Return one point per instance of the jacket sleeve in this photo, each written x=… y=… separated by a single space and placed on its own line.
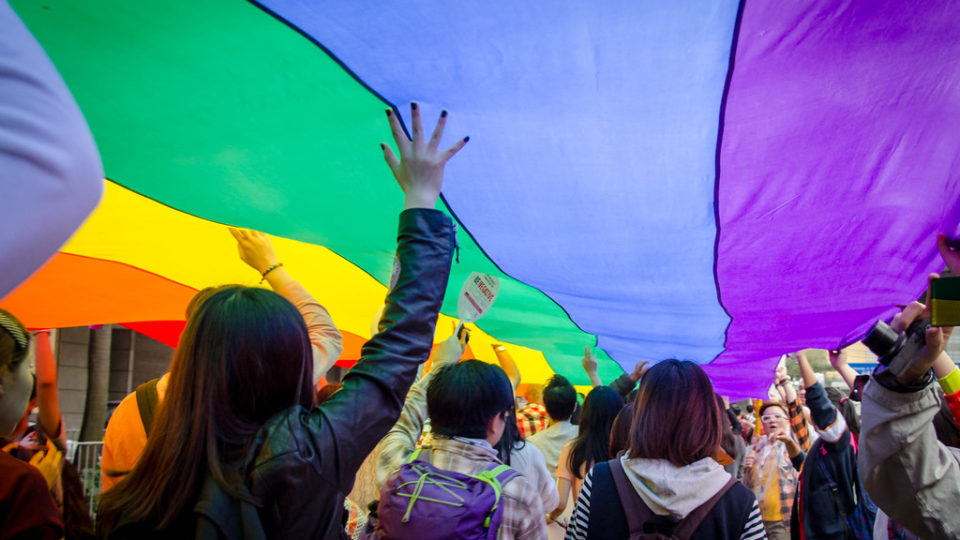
x=623 y=385
x=829 y=423
x=325 y=339
x=909 y=474
x=401 y=441
x=49 y=164
x=347 y=427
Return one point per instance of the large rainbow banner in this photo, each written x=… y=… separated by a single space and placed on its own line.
x=720 y=181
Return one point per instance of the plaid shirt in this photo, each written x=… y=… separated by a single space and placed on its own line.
x=531 y=419
x=523 y=514
x=798 y=422
x=773 y=479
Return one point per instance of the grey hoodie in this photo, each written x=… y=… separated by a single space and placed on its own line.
x=671 y=490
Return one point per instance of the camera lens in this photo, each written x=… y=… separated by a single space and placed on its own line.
x=881 y=339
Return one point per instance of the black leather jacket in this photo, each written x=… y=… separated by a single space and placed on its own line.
x=302 y=463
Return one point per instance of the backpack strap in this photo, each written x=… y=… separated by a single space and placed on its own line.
x=636 y=511
x=147 y=401
x=689 y=524
x=497 y=476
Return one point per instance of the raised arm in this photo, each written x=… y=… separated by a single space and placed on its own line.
x=838 y=359
x=507 y=363
x=625 y=383
x=326 y=342
x=402 y=439
x=49 y=165
x=48 y=399
x=589 y=364
x=830 y=424
x=346 y=427
x=798 y=422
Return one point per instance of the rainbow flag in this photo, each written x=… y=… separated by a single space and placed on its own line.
x=722 y=182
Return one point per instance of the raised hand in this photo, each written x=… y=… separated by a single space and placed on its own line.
x=781 y=375
x=793 y=449
x=590 y=364
x=639 y=370
x=589 y=361
x=936 y=339
x=419 y=170
x=255 y=249
x=838 y=359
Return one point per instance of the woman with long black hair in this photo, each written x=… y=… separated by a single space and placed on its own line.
x=592 y=444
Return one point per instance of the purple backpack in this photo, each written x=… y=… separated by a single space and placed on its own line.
x=420 y=502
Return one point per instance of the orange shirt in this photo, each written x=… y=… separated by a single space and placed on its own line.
x=125 y=438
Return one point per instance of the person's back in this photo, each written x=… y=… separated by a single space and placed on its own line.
x=467 y=404
x=726 y=519
x=668 y=481
x=560 y=400
x=126 y=433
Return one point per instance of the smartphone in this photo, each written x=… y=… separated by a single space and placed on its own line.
x=945 y=301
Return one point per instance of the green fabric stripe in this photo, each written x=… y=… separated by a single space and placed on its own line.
x=219 y=110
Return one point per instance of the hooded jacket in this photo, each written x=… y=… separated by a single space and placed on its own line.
x=669 y=491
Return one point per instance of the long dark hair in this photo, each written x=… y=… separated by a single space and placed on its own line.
x=677 y=418
x=592 y=445
x=243 y=357
x=511 y=439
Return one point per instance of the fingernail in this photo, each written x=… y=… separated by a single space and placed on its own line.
x=389 y=112
x=413 y=105
x=466 y=139
x=443 y=113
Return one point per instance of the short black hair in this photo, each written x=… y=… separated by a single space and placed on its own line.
x=463 y=397
x=560 y=398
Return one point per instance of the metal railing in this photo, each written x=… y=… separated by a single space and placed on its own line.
x=86 y=457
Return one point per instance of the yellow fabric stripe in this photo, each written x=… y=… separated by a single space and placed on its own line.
x=138 y=231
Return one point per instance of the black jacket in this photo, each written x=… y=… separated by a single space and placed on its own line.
x=302 y=463
x=829 y=488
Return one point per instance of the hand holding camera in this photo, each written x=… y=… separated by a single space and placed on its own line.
x=909 y=346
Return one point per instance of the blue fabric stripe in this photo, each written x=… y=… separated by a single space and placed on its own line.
x=590 y=171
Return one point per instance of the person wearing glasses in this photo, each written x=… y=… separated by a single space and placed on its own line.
x=770 y=471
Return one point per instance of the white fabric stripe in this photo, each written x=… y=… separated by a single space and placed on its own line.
x=753 y=529
x=834 y=431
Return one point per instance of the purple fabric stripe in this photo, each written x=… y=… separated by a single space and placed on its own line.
x=49 y=166
x=839 y=164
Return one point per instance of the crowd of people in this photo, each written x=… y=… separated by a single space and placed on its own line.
x=243 y=437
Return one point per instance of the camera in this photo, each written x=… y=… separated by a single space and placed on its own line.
x=896 y=351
